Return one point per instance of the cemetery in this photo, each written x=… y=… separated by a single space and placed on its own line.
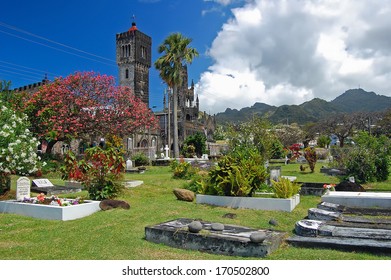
x=165 y=233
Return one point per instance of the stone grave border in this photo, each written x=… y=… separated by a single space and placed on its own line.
x=258 y=203
x=50 y=212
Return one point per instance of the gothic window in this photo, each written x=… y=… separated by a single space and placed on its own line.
x=127 y=74
x=143 y=52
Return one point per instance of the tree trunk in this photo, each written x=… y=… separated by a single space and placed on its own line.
x=175 y=120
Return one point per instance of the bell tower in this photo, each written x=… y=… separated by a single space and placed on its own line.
x=133 y=55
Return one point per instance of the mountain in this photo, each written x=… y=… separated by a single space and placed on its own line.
x=233 y=115
x=352 y=100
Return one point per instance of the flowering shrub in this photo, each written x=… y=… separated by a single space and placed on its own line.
x=18 y=148
x=295 y=150
x=100 y=172
x=53 y=200
x=328 y=187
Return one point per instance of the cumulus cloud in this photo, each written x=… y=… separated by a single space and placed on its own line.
x=288 y=52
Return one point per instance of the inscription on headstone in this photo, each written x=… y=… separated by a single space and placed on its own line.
x=22 y=188
x=42 y=183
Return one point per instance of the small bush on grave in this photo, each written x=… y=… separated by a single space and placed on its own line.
x=238 y=174
x=284 y=188
x=100 y=171
x=182 y=169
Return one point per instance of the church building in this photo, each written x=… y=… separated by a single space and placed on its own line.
x=133 y=56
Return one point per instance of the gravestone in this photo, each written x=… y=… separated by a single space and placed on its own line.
x=166 y=148
x=22 y=188
x=129 y=164
x=275 y=173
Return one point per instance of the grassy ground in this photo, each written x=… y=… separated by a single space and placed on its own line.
x=119 y=234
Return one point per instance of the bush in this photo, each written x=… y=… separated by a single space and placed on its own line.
x=369 y=161
x=284 y=188
x=311 y=157
x=140 y=159
x=194 y=145
x=238 y=174
x=182 y=169
x=100 y=172
x=324 y=141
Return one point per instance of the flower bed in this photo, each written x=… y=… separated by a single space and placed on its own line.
x=52 y=208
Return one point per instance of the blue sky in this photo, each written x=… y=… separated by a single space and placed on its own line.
x=271 y=51
x=31 y=33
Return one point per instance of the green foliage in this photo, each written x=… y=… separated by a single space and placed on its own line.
x=324 y=141
x=237 y=174
x=188 y=151
x=311 y=157
x=277 y=150
x=194 y=145
x=254 y=134
x=369 y=161
x=140 y=159
x=182 y=169
x=284 y=188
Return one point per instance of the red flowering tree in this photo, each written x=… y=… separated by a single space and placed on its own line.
x=86 y=105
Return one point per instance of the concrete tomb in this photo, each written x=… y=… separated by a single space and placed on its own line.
x=215 y=238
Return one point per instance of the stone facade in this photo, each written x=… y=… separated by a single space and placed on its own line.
x=133 y=53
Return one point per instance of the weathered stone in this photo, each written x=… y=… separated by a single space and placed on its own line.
x=108 y=204
x=195 y=226
x=183 y=194
x=273 y=222
x=217 y=226
x=229 y=216
x=257 y=237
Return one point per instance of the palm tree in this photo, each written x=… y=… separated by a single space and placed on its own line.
x=176 y=54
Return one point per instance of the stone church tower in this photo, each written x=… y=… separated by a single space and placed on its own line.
x=133 y=52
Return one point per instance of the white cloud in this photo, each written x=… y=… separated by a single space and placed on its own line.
x=288 y=52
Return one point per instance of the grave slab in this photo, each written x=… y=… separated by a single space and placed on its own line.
x=47 y=187
x=359 y=199
x=133 y=183
x=232 y=240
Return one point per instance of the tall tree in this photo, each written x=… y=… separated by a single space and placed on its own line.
x=85 y=105
x=176 y=54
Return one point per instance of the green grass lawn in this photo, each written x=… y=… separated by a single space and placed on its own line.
x=119 y=234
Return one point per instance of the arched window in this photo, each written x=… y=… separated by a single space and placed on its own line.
x=127 y=74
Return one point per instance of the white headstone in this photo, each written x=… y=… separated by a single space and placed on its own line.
x=129 y=164
x=22 y=188
x=205 y=157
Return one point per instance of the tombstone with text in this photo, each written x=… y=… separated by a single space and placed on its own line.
x=22 y=188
